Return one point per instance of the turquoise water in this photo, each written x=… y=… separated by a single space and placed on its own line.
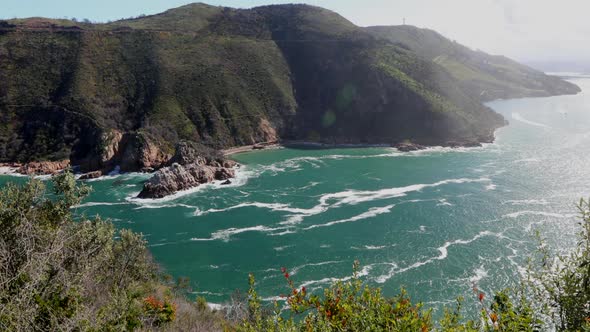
x=435 y=221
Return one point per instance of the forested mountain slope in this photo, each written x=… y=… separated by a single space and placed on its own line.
x=126 y=92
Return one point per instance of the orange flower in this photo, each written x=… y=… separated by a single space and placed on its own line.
x=152 y=302
x=494 y=317
x=481 y=296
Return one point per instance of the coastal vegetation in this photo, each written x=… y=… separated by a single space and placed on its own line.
x=60 y=270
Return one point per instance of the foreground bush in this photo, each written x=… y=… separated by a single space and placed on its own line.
x=61 y=274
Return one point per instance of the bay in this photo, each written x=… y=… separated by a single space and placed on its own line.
x=436 y=222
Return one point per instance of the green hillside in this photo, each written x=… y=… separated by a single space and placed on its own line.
x=126 y=92
x=480 y=74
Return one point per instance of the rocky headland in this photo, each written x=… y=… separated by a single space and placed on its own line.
x=191 y=166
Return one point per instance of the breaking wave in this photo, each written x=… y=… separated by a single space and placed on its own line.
x=325 y=202
x=518 y=117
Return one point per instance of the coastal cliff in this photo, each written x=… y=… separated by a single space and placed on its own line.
x=123 y=94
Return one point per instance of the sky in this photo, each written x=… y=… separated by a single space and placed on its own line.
x=526 y=30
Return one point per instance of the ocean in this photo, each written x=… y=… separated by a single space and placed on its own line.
x=436 y=222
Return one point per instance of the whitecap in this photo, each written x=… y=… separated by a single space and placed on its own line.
x=373 y=247
x=538 y=213
x=310 y=185
x=207 y=293
x=295 y=270
x=363 y=272
x=225 y=234
x=478 y=275
x=326 y=201
x=443 y=254
x=353 y=197
x=159 y=206
x=89 y=204
x=527 y=202
x=443 y=202
x=373 y=212
x=518 y=117
x=281 y=248
x=162 y=244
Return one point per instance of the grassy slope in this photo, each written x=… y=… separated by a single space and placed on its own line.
x=488 y=76
x=211 y=74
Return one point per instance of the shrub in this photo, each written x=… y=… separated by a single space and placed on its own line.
x=59 y=271
x=160 y=311
x=561 y=283
x=344 y=306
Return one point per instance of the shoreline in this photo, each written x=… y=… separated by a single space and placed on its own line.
x=5 y=169
x=319 y=145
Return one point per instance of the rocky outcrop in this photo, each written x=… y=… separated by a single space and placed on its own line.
x=172 y=179
x=43 y=167
x=141 y=154
x=129 y=151
x=192 y=165
x=90 y=175
x=193 y=153
x=408 y=146
x=111 y=142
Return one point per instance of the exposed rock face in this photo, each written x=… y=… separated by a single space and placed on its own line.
x=172 y=179
x=269 y=133
x=111 y=142
x=44 y=167
x=141 y=154
x=191 y=153
x=130 y=151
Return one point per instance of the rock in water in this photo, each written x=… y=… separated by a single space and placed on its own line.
x=91 y=175
x=408 y=146
x=172 y=179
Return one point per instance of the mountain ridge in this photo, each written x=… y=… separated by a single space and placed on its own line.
x=491 y=76
x=127 y=92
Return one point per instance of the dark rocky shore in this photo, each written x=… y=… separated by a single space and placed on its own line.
x=191 y=165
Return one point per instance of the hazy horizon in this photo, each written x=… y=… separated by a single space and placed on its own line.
x=541 y=33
